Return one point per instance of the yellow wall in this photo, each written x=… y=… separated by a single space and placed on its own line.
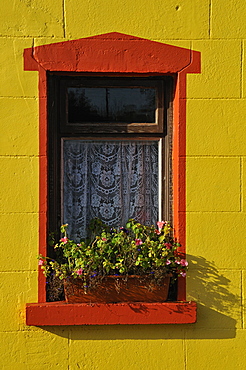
x=216 y=184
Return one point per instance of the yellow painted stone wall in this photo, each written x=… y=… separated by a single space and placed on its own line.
x=216 y=185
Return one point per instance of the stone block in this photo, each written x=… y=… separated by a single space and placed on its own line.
x=217 y=293
x=34 y=350
x=213 y=184
x=32 y=18
x=220 y=75
x=228 y=19
x=219 y=352
x=19 y=190
x=14 y=80
x=134 y=354
x=216 y=127
x=153 y=20
x=20 y=126
x=16 y=288
x=19 y=230
x=216 y=238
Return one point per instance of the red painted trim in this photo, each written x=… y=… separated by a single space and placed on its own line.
x=112 y=52
x=116 y=54
x=43 y=314
x=43 y=179
x=179 y=171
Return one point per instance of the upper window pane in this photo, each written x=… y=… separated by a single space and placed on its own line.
x=111 y=104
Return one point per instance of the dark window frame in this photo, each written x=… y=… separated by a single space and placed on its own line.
x=59 y=128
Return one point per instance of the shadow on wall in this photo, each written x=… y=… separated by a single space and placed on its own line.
x=218 y=312
x=209 y=286
x=219 y=309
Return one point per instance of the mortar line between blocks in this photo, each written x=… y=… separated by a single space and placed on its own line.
x=212 y=156
x=241 y=71
x=241 y=185
x=185 y=352
x=242 y=68
x=242 y=301
x=158 y=39
x=64 y=19
x=68 y=348
x=209 y=18
x=219 y=98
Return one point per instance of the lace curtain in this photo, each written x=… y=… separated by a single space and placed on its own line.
x=111 y=180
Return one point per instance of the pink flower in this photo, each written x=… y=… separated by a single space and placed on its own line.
x=157 y=232
x=64 y=240
x=79 y=245
x=160 y=224
x=40 y=262
x=183 y=262
x=168 y=262
x=183 y=273
x=177 y=261
x=138 y=241
x=79 y=271
x=104 y=239
x=168 y=245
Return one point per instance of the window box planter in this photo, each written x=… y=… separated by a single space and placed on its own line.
x=114 y=289
x=131 y=264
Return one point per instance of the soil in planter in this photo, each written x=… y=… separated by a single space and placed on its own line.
x=54 y=289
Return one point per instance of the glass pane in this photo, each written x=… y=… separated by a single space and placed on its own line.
x=112 y=180
x=111 y=104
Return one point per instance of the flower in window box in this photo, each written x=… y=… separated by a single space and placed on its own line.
x=134 y=250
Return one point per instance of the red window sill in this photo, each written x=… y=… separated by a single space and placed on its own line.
x=62 y=313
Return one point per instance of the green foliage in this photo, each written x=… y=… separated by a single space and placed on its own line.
x=134 y=250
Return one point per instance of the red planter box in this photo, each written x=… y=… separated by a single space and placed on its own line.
x=114 y=289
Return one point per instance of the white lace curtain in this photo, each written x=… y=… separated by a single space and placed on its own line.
x=111 y=180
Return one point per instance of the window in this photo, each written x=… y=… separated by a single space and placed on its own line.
x=75 y=68
x=109 y=150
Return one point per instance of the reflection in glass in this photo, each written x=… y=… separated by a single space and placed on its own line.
x=111 y=104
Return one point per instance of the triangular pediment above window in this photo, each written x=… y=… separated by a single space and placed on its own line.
x=112 y=53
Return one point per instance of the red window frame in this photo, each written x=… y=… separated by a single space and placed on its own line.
x=114 y=54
